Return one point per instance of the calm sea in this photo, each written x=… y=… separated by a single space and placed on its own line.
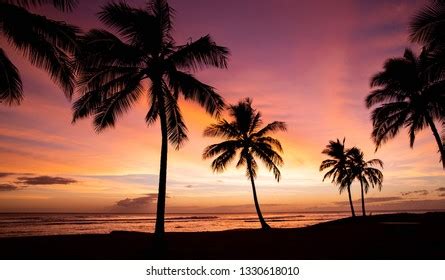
x=52 y=224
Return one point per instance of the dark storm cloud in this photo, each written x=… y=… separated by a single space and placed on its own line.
x=7 y=187
x=419 y=192
x=440 y=190
x=45 y=180
x=189 y=186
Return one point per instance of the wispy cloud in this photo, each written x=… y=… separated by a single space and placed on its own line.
x=45 y=180
x=419 y=192
x=8 y=187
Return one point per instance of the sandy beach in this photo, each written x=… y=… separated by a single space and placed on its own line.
x=392 y=236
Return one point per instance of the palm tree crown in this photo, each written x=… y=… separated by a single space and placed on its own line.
x=338 y=163
x=244 y=136
x=406 y=96
x=46 y=43
x=112 y=70
x=364 y=172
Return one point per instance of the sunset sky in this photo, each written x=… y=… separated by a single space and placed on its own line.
x=307 y=63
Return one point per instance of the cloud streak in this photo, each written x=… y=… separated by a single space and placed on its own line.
x=419 y=192
x=45 y=180
x=7 y=187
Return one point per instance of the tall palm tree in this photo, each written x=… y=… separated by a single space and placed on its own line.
x=364 y=172
x=244 y=135
x=113 y=67
x=406 y=96
x=46 y=44
x=338 y=164
x=428 y=28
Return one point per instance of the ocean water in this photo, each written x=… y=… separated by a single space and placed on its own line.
x=21 y=224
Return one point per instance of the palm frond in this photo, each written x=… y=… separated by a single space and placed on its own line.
x=388 y=120
x=256 y=122
x=270 y=158
x=252 y=172
x=327 y=163
x=428 y=24
x=96 y=87
x=177 y=130
x=135 y=25
x=215 y=149
x=117 y=104
x=375 y=162
x=11 y=90
x=374 y=176
x=153 y=112
x=200 y=54
x=163 y=14
x=222 y=129
x=275 y=143
x=221 y=162
x=45 y=43
x=329 y=174
x=271 y=127
x=194 y=90
x=62 y=5
x=100 y=48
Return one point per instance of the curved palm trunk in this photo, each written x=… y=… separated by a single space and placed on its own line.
x=350 y=201
x=264 y=225
x=160 y=212
x=363 y=198
x=438 y=140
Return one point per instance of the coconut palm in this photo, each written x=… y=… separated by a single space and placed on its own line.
x=406 y=96
x=113 y=68
x=46 y=44
x=428 y=28
x=338 y=164
x=244 y=135
x=364 y=172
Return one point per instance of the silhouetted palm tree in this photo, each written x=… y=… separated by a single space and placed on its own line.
x=364 y=172
x=112 y=69
x=428 y=28
x=245 y=136
x=46 y=44
x=406 y=97
x=338 y=163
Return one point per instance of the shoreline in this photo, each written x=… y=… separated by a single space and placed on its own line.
x=387 y=236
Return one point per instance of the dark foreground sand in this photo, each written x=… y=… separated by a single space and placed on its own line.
x=398 y=236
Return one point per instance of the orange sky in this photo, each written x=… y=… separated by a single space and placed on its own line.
x=307 y=63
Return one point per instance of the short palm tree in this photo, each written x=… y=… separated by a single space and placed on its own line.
x=406 y=96
x=46 y=44
x=245 y=136
x=364 y=172
x=338 y=164
x=113 y=67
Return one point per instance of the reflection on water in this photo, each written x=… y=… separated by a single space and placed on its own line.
x=51 y=224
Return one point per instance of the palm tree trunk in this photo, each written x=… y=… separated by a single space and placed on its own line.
x=438 y=139
x=363 y=198
x=160 y=212
x=350 y=201
x=264 y=225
